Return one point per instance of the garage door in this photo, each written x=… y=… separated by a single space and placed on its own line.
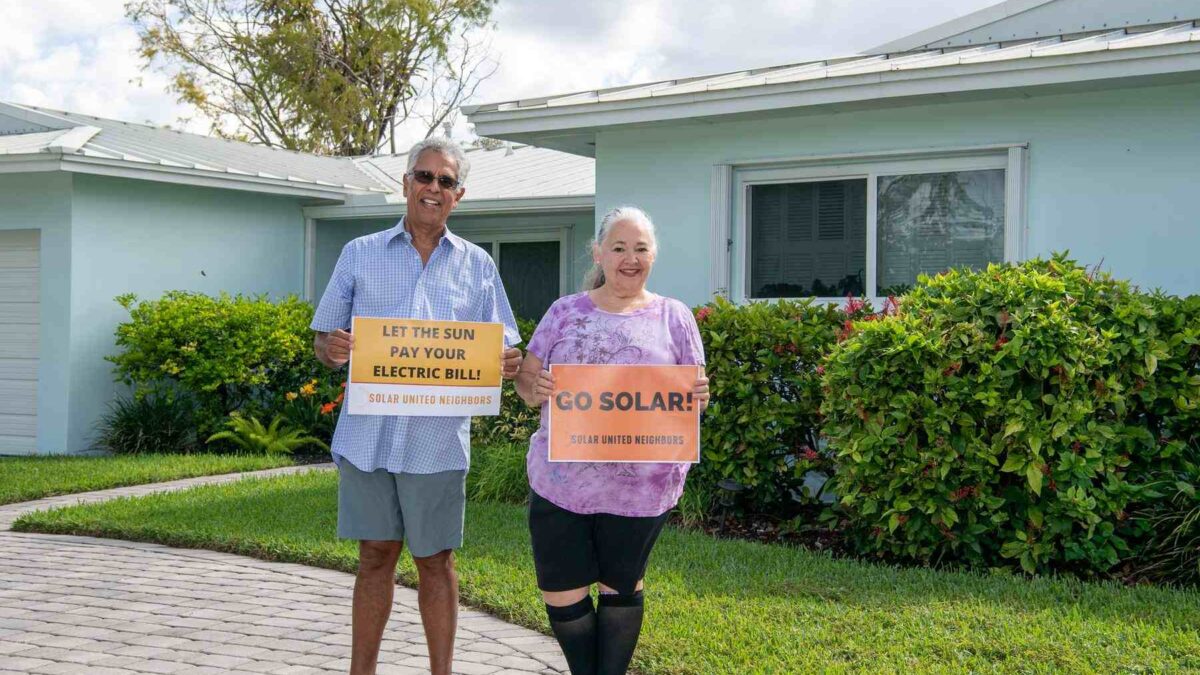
x=18 y=340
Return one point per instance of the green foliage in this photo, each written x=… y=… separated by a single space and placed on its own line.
x=1171 y=552
x=516 y=421
x=311 y=404
x=1010 y=417
x=761 y=431
x=498 y=473
x=325 y=77
x=148 y=424
x=223 y=352
x=250 y=436
x=697 y=503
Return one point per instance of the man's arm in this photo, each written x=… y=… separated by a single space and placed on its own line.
x=333 y=348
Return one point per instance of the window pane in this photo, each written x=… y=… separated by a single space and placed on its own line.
x=529 y=271
x=929 y=223
x=808 y=239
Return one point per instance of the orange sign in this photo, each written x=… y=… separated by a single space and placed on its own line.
x=624 y=414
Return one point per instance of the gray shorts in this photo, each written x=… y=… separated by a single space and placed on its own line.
x=426 y=510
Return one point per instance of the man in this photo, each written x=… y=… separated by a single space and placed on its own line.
x=403 y=478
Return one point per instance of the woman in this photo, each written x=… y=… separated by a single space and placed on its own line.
x=595 y=523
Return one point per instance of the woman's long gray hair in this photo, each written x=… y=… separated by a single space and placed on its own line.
x=595 y=276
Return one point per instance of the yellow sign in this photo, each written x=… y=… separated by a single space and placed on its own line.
x=427 y=368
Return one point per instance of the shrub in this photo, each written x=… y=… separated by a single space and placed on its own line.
x=1002 y=418
x=516 y=421
x=761 y=431
x=249 y=435
x=149 y=424
x=498 y=473
x=225 y=352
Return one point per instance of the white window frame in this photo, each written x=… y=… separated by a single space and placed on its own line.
x=732 y=181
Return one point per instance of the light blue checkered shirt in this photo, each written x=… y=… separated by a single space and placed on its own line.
x=381 y=275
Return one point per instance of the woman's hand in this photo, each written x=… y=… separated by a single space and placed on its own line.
x=534 y=384
x=543 y=388
x=700 y=391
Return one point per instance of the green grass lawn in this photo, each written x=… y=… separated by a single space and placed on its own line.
x=26 y=478
x=717 y=606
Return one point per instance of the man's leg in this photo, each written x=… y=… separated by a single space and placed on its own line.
x=373 y=588
x=437 y=596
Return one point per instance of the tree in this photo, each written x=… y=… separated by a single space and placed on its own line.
x=326 y=76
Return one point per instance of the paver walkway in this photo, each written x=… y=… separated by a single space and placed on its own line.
x=101 y=606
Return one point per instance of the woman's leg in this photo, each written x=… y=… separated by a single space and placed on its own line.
x=564 y=558
x=618 y=625
x=623 y=547
x=573 y=621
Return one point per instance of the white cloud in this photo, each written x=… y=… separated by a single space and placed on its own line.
x=80 y=55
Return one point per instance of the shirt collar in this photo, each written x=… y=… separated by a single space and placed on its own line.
x=448 y=237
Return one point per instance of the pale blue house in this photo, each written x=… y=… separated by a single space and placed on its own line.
x=1029 y=127
x=93 y=208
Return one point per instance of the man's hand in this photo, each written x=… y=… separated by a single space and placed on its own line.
x=333 y=349
x=510 y=362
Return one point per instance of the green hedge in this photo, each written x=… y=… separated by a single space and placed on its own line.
x=761 y=431
x=517 y=421
x=1013 y=416
x=223 y=354
x=1038 y=416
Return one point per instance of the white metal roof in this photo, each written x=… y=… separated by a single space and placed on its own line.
x=567 y=121
x=1029 y=50
x=141 y=144
x=24 y=144
x=506 y=173
x=516 y=172
x=1029 y=19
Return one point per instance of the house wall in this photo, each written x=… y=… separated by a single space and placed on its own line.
x=140 y=237
x=42 y=201
x=332 y=235
x=1112 y=174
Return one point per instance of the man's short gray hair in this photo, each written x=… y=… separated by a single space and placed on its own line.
x=445 y=146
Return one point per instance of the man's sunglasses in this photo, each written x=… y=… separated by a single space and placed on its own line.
x=426 y=177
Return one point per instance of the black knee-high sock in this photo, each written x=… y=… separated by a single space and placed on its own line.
x=620 y=622
x=575 y=628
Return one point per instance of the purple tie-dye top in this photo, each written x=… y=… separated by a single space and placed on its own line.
x=575 y=330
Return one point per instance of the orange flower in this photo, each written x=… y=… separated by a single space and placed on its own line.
x=327 y=408
x=340 y=397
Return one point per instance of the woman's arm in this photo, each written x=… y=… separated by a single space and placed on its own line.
x=534 y=385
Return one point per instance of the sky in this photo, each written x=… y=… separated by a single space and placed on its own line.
x=80 y=55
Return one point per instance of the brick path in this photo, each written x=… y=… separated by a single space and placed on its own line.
x=100 y=606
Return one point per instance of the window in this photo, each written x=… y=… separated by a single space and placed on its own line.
x=930 y=222
x=524 y=268
x=808 y=239
x=868 y=226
